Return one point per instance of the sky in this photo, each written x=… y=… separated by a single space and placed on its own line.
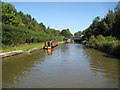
x=76 y=16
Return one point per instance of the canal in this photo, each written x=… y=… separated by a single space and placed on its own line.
x=67 y=66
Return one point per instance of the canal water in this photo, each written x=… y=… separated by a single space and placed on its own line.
x=67 y=66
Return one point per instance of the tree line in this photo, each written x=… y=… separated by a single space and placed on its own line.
x=107 y=26
x=104 y=33
x=19 y=28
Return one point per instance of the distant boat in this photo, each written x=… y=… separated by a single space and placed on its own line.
x=50 y=44
x=68 y=41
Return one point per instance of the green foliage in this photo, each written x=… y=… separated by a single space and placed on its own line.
x=109 y=25
x=85 y=42
x=24 y=47
x=100 y=41
x=66 y=33
x=106 y=31
x=92 y=41
x=78 y=34
x=107 y=44
x=10 y=15
x=19 y=28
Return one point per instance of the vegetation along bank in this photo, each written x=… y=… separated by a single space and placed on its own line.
x=104 y=33
x=22 y=32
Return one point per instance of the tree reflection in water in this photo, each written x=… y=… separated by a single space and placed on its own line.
x=100 y=63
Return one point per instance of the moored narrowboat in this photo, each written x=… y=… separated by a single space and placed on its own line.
x=68 y=40
x=50 y=44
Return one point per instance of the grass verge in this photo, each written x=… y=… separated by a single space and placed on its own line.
x=24 y=47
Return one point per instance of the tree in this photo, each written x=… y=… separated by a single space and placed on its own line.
x=116 y=26
x=78 y=34
x=109 y=25
x=10 y=15
x=19 y=28
x=66 y=33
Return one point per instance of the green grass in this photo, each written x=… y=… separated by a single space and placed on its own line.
x=24 y=47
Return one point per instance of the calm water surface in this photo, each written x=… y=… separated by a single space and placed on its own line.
x=67 y=66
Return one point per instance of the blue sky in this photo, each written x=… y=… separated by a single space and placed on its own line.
x=76 y=16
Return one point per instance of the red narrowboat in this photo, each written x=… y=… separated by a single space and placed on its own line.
x=50 y=44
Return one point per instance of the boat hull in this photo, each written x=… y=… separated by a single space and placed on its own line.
x=50 y=46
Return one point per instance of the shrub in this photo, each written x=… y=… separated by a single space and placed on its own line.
x=92 y=41
x=100 y=41
x=115 y=48
x=107 y=44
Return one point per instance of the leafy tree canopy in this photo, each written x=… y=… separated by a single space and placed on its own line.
x=66 y=33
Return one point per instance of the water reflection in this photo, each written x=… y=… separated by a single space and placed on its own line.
x=64 y=47
x=15 y=68
x=99 y=63
x=66 y=66
x=50 y=52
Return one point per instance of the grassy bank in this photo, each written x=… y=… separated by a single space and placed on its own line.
x=108 y=44
x=24 y=47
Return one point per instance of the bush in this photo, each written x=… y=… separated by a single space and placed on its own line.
x=92 y=41
x=110 y=38
x=15 y=35
x=115 y=48
x=106 y=47
x=100 y=41
x=107 y=44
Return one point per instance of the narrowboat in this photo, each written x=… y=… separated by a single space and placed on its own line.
x=50 y=44
x=68 y=41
